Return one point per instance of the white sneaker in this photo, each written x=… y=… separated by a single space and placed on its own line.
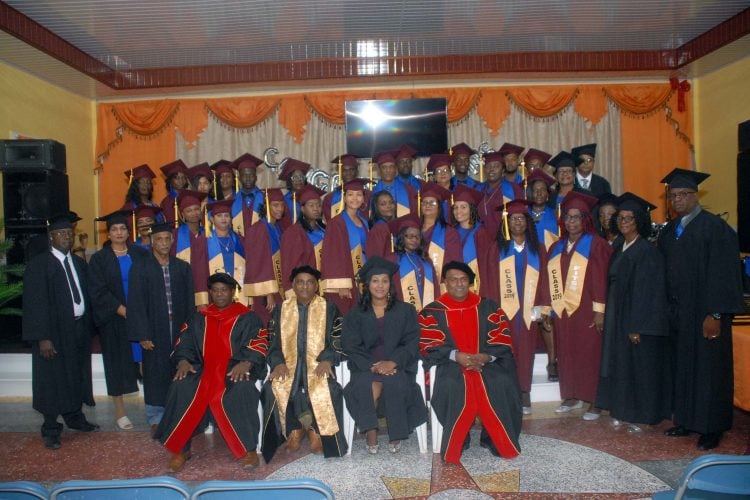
x=591 y=416
x=209 y=429
x=634 y=428
x=616 y=423
x=527 y=410
x=563 y=408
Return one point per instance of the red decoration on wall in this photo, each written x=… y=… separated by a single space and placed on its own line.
x=682 y=87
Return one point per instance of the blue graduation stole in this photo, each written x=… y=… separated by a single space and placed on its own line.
x=469 y=249
x=221 y=259
x=411 y=180
x=417 y=280
x=547 y=229
x=357 y=237
x=469 y=182
x=292 y=207
x=506 y=188
x=436 y=248
x=182 y=242
x=399 y=193
x=567 y=296
x=252 y=200
x=519 y=280
x=316 y=238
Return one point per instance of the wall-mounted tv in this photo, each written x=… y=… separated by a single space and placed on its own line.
x=373 y=126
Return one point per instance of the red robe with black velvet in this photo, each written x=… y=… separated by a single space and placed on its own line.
x=213 y=341
x=474 y=325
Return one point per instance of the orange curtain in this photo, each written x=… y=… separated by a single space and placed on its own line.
x=493 y=108
x=591 y=103
x=330 y=105
x=145 y=117
x=191 y=120
x=294 y=115
x=543 y=102
x=639 y=99
x=460 y=101
x=242 y=112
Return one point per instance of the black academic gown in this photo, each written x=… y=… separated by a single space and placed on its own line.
x=59 y=385
x=107 y=294
x=213 y=346
x=148 y=319
x=635 y=383
x=703 y=277
x=333 y=446
x=473 y=326
x=401 y=401
x=598 y=185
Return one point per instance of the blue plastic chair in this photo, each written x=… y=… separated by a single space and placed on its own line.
x=23 y=490
x=160 y=488
x=297 y=489
x=713 y=477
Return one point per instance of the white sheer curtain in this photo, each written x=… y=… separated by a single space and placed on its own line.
x=322 y=141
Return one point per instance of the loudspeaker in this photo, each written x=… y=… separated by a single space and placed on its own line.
x=30 y=198
x=743 y=200
x=28 y=242
x=27 y=155
x=743 y=133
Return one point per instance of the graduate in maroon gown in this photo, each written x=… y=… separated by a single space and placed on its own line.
x=348 y=166
x=468 y=338
x=379 y=239
x=496 y=190
x=403 y=193
x=220 y=354
x=190 y=242
x=248 y=199
x=263 y=278
x=140 y=188
x=577 y=272
x=344 y=249
x=302 y=243
x=475 y=239
x=441 y=240
x=225 y=183
x=294 y=174
x=517 y=270
x=417 y=283
x=176 y=174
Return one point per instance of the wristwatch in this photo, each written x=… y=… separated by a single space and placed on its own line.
x=715 y=315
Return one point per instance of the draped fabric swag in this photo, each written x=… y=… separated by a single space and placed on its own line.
x=640 y=133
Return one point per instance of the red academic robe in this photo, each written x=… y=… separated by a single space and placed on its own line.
x=505 y=291
x=578 y=343
x=338 y=264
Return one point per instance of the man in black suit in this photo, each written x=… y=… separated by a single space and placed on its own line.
x=585 y=157
x=57 y=321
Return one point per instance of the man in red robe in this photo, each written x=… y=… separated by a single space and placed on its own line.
x=220 y=354
x=468 y=338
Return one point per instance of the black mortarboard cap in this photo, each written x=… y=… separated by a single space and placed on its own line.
x=162 y=227
x=683 y=178
x=460 y=266
x=60 y=221
x=116 y=217
x=222 y=278
x=376 y=265
x=630 y=201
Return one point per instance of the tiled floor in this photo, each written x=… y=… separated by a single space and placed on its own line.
x=561 y=457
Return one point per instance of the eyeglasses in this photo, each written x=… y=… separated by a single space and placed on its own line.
x=571 y=218
x=680 y=194
x=297 y=177
x=517 y=218
x=625 y=218
x=588 y=160
x=429 y=203
x=442 y=171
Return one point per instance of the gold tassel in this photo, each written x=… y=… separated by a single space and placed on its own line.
x=506 y=230
x=130 y=179
x=206 y=222
x=481 y=168
x=176 y=214
x=268 y=208
x=215 y=195
x=236 y=183
x=450 y=151
x=523 y=176
x=419 y=203
x=294 y=207
x=135 y=230
x=341 y=181
x=393 y=246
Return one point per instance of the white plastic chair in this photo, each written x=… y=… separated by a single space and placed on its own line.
x=437 y=427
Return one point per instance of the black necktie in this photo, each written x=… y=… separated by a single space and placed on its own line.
x=71 y=281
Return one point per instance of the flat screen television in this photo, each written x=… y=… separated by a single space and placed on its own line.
x=381 y=125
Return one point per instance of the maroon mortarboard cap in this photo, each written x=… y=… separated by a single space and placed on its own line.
x=467 y=194
x=247 y=161
x=141 y=172
x=586 y=149
x=355 y=185
x=563 y=159
x=432 y=190
x=188 y=198
x=683 y=178
x=309 y=192
x=516 y=206
x=462 y=149
x=438 y=160
x=274 y=194
x=199 y=170
x=536 y=154
x=583 y=202
x=347 y=160
x=508 y=149
x=173 y=167
x=405 y=151
x=398 y=225
x=221 y=166
x=60 y=221
x=117 y=217
x=290 y=166
x=607 y=199
x=147 y=211
x=221 y=207
x=632 y=202
x=539 y=175
x=384 y=157
x=492 y=157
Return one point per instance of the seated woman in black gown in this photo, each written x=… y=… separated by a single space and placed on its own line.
x=381 y=339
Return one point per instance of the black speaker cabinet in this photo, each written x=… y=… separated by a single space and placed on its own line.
x=30 y=198
x=743 y=200
x=32 y=155
x=744 y=136
x=28 y=242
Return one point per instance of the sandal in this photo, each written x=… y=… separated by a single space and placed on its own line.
x=124 y=423
x=552 y=374
x=395 y=447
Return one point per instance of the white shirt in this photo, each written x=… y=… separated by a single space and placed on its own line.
x=587 y=180
x=78 y=309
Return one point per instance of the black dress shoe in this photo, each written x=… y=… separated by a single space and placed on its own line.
x=709 y=441
x=85 y=426
x=676 y=431
x=490 y=447
x=52 y=442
